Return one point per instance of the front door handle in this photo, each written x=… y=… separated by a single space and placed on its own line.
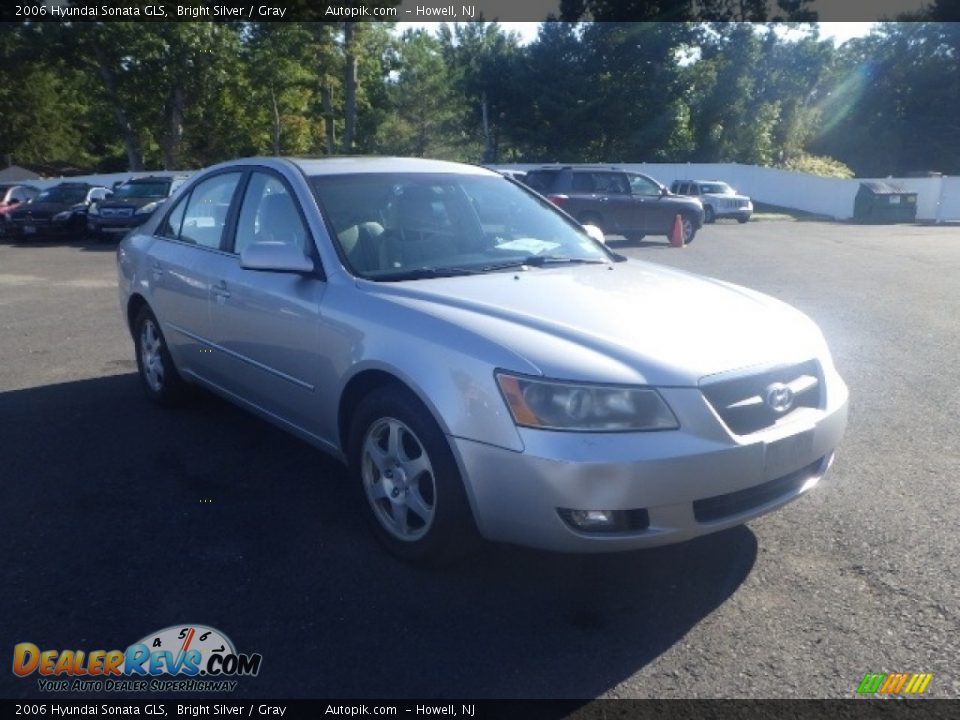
x=220 y=290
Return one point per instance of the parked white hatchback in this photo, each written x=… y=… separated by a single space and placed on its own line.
x=480 y=362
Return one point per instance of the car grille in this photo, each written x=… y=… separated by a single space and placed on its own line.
x=719 y=507
x=116 y=212
x=732 y=204
x=741 y=401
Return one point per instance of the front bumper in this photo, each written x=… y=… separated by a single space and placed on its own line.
x=740 y=211
x=117 y=226
x=690 y=482
x=41 y=228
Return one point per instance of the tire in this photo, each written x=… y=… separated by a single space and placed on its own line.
x=708 y=215
x=159 y=377
x=689 y=229
x=741 y=219
x=78 y=229
x=408 y=480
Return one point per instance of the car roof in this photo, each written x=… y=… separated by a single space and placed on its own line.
x=152 y=178
x=371 y=164
x=592 y=168
x=73 y=184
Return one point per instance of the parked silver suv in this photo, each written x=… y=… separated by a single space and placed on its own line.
x=719 y=199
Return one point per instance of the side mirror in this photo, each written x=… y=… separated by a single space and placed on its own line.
x=596 y=233
x=663 y=191
x=275 y=257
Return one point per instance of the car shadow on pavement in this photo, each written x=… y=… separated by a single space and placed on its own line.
x=124 y=518
x=84 y=245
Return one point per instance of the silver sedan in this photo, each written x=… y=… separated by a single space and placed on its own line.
x=484 y=365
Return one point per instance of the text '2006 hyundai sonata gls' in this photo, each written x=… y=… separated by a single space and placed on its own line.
x=480 y=362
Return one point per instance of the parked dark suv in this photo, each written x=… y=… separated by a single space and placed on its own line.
x=57 y=211
x=130 y=205
x=617 y=201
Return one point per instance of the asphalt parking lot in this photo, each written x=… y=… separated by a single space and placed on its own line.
x=120 y=518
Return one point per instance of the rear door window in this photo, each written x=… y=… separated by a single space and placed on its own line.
x=611 y=183
x=583 y=182
x=541 y=180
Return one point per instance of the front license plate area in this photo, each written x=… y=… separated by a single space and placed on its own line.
x=788 y=454
x=29 y=229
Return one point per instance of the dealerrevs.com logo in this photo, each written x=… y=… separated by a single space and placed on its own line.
x=197 y=657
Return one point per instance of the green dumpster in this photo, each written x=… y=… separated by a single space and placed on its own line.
x=883 y=202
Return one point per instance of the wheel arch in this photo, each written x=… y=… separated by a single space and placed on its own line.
x=135 y=304
x=368 y=381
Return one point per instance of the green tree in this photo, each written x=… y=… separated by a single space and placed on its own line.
x=485 y=59
x=427 y=115
x=894 y=106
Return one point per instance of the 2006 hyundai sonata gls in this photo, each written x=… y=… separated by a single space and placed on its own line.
x=476 y=358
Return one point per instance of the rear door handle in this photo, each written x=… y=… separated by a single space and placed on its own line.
x=156 y=270
x=220 y=290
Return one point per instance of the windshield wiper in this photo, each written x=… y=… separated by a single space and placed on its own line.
x=424 y=273
x=541 y=260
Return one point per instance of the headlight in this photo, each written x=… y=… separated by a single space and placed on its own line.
x=63 y=216
x=553 y=405
x=147 y=209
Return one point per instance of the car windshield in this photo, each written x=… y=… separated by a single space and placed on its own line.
x=158 y=189
x=67 y=195
x=417 y=225
x=717 y=188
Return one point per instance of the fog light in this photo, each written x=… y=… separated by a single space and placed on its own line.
x=606 y=521
x=589 y=519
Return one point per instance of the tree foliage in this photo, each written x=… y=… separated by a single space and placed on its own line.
x=115 y=95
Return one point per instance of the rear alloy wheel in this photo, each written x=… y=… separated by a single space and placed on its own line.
x=416 y=502
x=160 y=379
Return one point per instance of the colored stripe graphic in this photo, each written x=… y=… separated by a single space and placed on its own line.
x=894 y=683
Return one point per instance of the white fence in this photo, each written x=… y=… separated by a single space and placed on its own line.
x=938 y=198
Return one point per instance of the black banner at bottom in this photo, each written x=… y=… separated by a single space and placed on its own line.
x=854 y=709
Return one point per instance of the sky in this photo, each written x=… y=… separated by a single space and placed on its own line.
x=840 y=32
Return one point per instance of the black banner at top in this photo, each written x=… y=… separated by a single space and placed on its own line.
x=476 y=10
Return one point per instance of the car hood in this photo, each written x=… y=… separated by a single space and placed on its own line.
x=726 y=196
x=630 y=322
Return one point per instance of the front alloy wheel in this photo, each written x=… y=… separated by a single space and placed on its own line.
x=414 y=495
x=398 y=480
